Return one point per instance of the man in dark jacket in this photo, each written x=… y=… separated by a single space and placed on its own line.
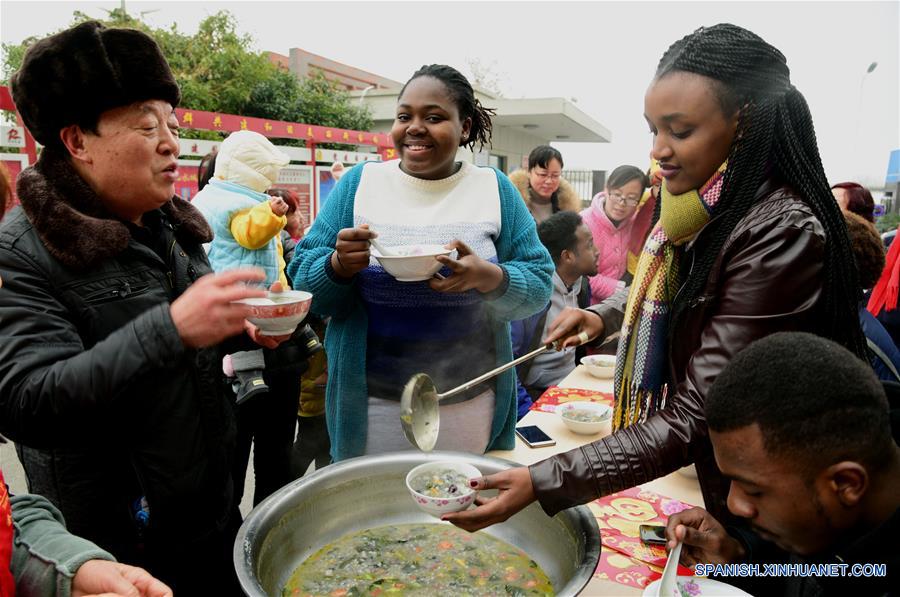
x=802 y=430
x=575 y=257
x=109 y=317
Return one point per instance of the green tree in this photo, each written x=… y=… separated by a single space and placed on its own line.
x=218 y=70
x=887 y=222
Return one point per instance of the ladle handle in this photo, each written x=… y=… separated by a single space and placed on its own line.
x=494 y=372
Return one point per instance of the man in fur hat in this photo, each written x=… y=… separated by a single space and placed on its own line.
x=110 y=317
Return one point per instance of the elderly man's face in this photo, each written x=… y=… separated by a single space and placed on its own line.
x=133 y=158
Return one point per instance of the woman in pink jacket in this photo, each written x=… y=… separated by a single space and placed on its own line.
x=610 y=219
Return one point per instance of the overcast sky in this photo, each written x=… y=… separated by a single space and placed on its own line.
x=602 y=54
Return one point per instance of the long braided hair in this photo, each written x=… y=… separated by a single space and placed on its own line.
x=466 y=103
x=775 y=138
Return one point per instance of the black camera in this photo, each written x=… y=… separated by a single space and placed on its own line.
x=281 y=366
x=293 y=355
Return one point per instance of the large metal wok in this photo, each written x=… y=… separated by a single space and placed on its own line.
x=367 y=492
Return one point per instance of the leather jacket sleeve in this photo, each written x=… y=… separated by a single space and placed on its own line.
x=51 y=385
x=769 y=280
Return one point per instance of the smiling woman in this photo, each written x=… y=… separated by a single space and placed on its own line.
x=613 y=221
x=386 y=330
x=543 y=187
x=749 y=242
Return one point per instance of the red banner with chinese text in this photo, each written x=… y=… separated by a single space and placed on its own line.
x=188 y=179
x=212 y=121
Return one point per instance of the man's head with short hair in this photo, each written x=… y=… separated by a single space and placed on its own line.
x=570 y=244
x=802 y=428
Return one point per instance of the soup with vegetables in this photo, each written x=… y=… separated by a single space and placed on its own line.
x=583 y=415
x=445 y=483
x=418 y=559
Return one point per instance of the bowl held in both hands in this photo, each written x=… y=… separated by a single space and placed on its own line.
x=412 y=263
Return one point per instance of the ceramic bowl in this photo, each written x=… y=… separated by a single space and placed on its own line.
x=585 y=427
x=602 y=366
x=279 y=313
x=695 y=586
x=436 y=506
x=411 y=263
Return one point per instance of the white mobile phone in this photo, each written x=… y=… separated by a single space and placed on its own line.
x=534 y=437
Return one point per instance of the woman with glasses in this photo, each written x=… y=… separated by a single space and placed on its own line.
x=611 y=221
x=542 y=186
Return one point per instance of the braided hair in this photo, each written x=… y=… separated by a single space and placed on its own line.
x=775 y=138
x=466 y=103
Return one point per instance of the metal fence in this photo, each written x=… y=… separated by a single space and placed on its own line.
x=586 y=183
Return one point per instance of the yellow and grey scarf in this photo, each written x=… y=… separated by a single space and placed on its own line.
x=640 y=379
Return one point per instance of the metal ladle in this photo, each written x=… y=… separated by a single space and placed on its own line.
x=419 y=411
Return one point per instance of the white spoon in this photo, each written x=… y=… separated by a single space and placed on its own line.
x=667 y=583
x=384 y=252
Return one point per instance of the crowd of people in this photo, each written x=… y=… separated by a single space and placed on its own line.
x=749 y=303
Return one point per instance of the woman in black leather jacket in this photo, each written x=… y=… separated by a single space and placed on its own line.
x=750 y=242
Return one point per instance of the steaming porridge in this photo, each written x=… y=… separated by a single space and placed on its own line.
x=420 y=560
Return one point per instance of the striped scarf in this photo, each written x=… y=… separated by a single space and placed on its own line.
x=641 y=361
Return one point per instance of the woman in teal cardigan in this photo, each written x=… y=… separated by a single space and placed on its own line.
x=381 y=330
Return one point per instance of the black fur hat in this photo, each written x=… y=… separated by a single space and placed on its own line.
x=76 y=75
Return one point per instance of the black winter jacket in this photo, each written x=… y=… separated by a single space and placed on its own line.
x=96 y=387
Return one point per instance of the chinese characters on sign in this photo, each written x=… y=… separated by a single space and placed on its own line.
x=197 y=119
x=12 y=136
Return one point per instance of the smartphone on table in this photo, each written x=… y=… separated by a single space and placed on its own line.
x=534 y=436
x=653 y=534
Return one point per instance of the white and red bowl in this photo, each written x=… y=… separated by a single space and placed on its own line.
x=279 y=313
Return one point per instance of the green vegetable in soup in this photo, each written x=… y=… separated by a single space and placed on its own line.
x=444 y=483
x=583 y=415
x=418 y=560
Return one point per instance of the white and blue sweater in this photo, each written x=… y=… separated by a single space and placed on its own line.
x=382 y=331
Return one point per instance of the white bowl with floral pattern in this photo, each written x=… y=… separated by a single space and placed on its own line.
x=437 y=503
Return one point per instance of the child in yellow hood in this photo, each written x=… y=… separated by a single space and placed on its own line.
x=246 y=224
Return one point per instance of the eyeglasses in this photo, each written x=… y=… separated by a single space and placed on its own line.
x=630 y=200
x=545 y=175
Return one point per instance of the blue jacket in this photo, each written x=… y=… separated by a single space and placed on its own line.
x=219 y=201
x=876 y=333
x=520 y=254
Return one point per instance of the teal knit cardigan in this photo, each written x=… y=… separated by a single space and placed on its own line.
x=520 y=253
